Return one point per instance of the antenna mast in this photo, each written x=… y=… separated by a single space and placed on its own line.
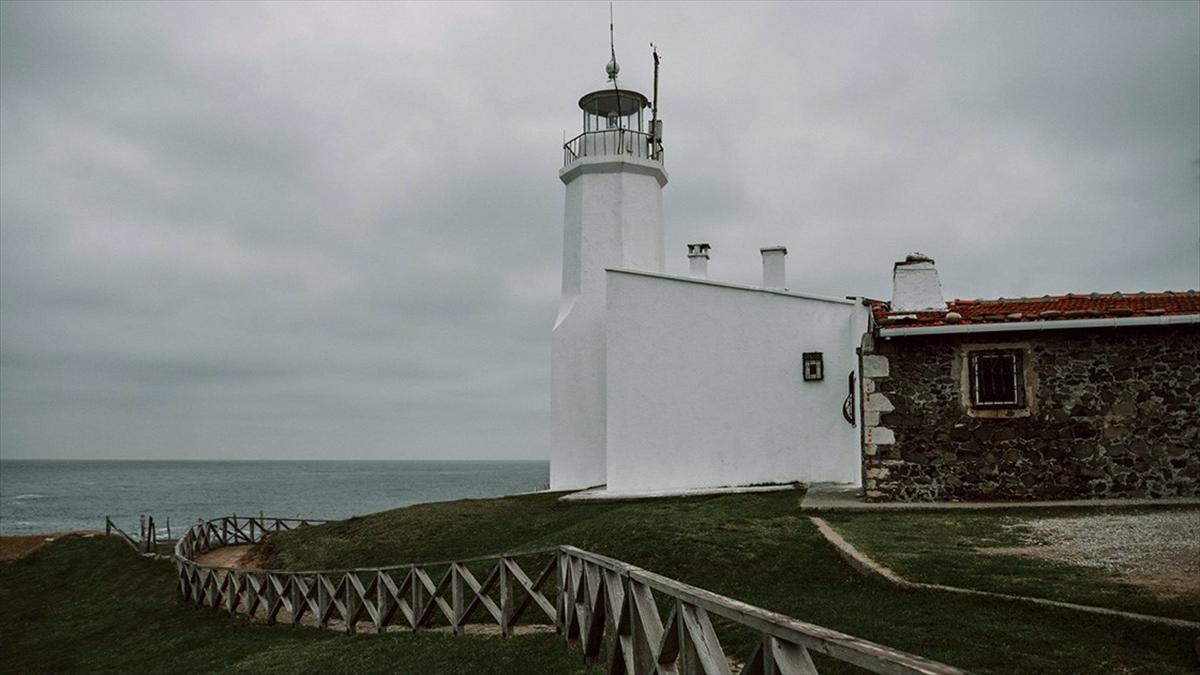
x=612 y=48
x=654 y=135
x=613 y=68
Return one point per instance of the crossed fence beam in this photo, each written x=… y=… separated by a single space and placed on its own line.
x=614 y=610
x=411 y=596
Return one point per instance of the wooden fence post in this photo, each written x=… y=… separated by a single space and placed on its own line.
x=456 y=598
x=353 y=606
x=417 y=603
x=322 y=603
x=560 y=559
x=505 y=597
x=383 y=600
x=297 y=599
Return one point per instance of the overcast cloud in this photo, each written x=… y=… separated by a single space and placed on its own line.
x=334 y=230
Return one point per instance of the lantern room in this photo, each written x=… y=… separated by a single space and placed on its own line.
x=616 y=122
x=613 y=109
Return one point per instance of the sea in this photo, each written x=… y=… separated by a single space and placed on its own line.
x=41 y=496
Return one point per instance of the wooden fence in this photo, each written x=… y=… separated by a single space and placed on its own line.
x=111 y=529
x=147 y=541
x=612 y=609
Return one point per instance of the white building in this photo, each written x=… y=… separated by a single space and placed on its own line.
x=662 y=382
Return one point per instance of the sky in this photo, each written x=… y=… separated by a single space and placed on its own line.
x=333 y=231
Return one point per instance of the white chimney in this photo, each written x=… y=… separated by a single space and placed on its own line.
x=915 y=285
x=774 y=277
x=698 y=260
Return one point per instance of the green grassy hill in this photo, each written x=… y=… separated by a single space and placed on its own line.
x=758 y=548
x=95 y=606
x=92 y=605
x=965 y=549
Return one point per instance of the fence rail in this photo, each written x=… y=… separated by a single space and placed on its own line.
x=110 y=529
x=608 y=142
x=614 y=610
x=147 y=542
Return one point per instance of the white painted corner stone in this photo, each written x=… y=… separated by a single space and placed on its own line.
x=880 y=436
x=874 y=365
x=876 y=402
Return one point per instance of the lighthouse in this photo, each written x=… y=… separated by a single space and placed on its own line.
x=613 y=173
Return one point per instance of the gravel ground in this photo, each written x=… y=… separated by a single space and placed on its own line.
x=1165 y=543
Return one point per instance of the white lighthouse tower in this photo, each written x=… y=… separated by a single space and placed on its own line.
x=614 y=176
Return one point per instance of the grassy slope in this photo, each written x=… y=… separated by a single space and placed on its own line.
x=92 y=605
x=760 y=549
x=943 y=548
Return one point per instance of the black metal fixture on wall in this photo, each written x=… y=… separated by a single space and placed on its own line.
x=848 y=404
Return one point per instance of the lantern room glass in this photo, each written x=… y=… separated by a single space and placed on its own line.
x=631 y=120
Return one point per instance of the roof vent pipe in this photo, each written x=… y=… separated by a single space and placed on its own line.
x=774 y=276
x=698 y=260
x=915 y=285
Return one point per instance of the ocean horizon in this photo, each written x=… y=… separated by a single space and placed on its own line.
x=49 y=495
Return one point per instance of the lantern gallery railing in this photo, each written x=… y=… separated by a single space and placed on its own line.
x=615 y=611
x=612 y=142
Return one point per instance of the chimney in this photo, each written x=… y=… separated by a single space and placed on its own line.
x=915 y=285
x=774 y=277
x=698 y=260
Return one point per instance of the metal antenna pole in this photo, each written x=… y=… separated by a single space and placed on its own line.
x=615 y=68
x=611 y=44
x=654 y=139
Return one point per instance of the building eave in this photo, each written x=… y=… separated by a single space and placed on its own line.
x=614 y=164
x=1065 y=324
x=739 y=287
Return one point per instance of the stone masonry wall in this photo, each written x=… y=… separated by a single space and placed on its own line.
x=1115 y=413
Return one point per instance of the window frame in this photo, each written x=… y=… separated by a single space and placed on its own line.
x=1016 y=358
x=961 y=370
x=816 y=359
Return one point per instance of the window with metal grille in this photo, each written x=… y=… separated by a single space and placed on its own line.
x=997 y=379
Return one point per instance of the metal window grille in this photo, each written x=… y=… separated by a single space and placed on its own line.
x=997 y=379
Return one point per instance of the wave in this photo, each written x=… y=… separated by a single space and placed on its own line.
x=32 y=495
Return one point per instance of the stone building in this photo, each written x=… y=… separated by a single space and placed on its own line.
x=1057 y=397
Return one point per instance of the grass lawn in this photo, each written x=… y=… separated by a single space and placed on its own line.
x=760 y=549
x=93 y=605
x=945 y=548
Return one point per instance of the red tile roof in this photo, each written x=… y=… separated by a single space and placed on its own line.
x=1046 y=308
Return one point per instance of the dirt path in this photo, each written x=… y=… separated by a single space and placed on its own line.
x=15 y=547
x=228 y=556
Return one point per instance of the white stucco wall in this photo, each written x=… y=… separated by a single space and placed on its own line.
x=704 y=385
x=612 y=218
